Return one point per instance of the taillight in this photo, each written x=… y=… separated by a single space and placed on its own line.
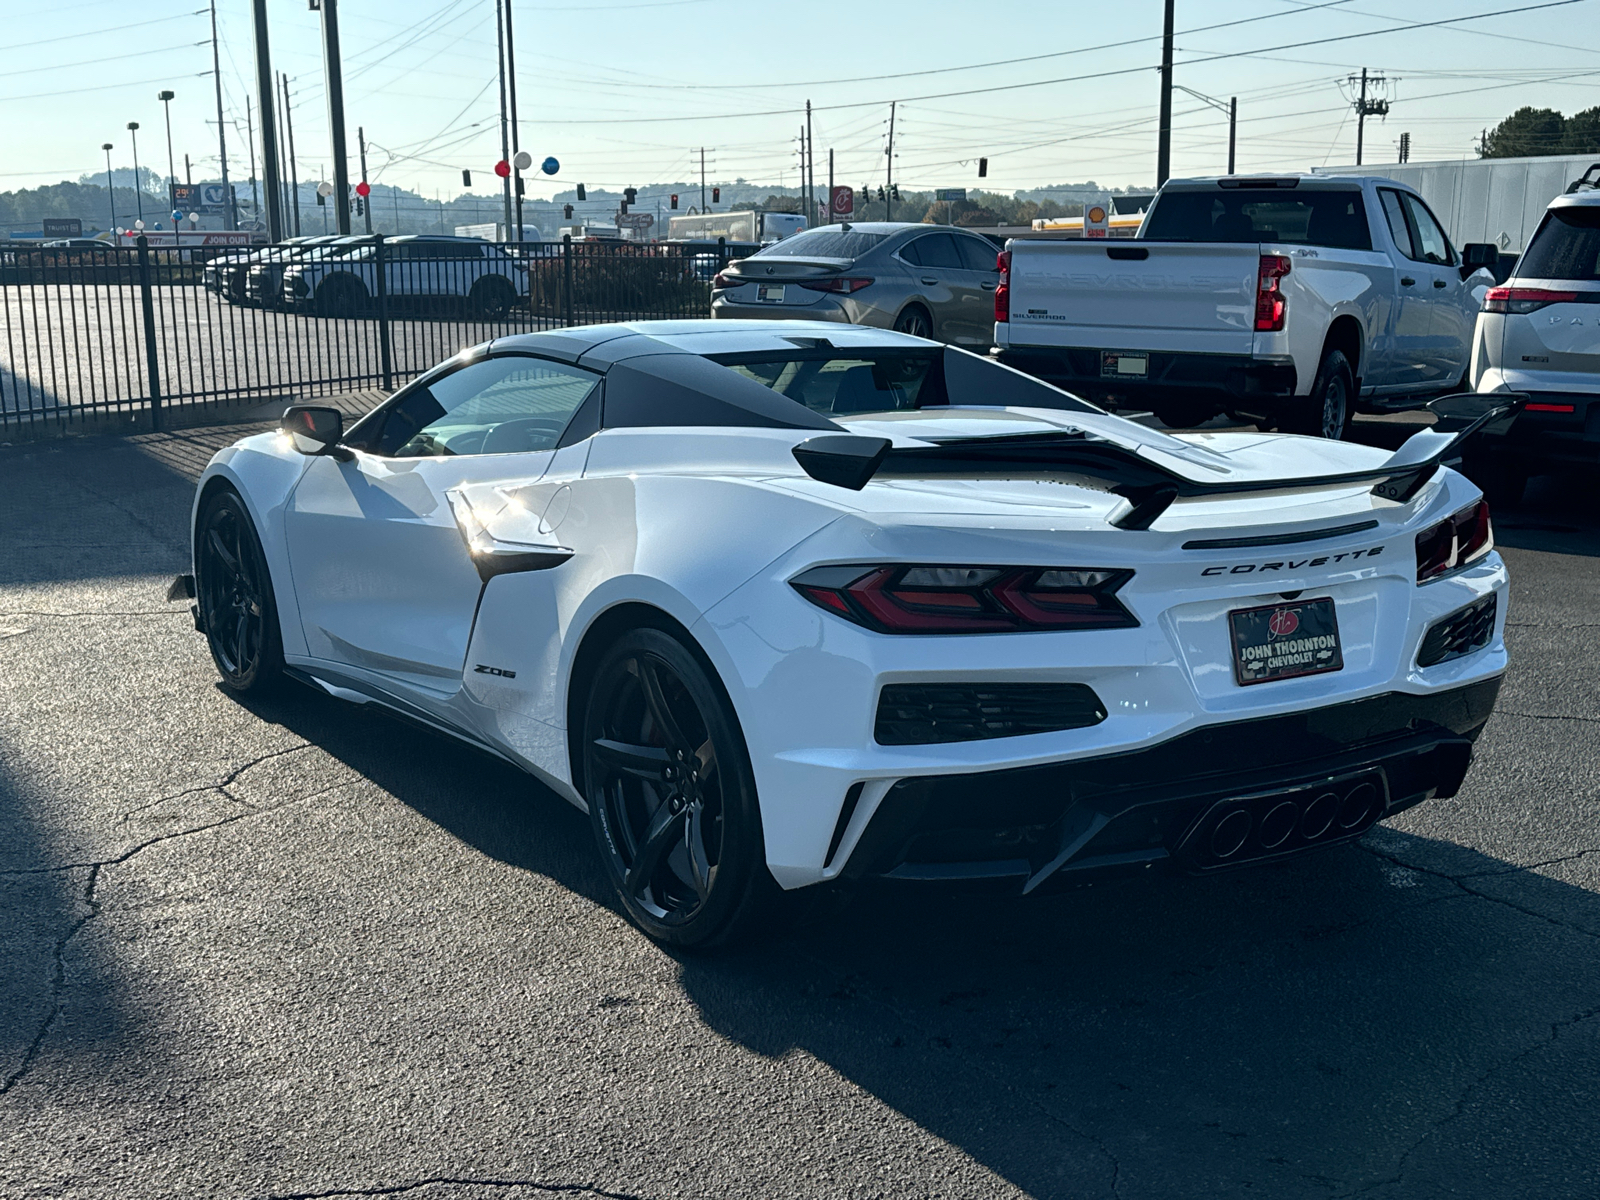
x=1523 y=300
x=1550 y=408
x=921 y=599
x=1457 y=541
x=1002 y=291
x=722 y=280
x=1270 y=300
x=837 y=284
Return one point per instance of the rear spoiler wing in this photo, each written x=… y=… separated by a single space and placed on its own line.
x=848 y=461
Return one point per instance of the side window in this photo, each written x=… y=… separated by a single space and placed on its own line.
x=911 y=252
x=977 y=254
x=1395 y=214
x=1432 y=244
x=939 y=250
x=506 y=405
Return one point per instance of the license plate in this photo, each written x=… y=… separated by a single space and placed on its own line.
x=1114 y=365
x=772 y=293
x=1284 y=641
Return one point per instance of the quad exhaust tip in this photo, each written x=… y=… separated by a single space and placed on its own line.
x=1246 y=830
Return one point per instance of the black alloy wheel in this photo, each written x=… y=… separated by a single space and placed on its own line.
x=234 y=588
x=671 y=795
x=915 y=321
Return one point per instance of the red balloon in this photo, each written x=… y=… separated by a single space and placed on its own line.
x=362 y=189
x=502 y=168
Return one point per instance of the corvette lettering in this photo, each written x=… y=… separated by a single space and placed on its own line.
x=1292 y=564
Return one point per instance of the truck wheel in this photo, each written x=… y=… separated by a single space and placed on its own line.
x=491 y=298
x=1326 y=411
x=1183 y=413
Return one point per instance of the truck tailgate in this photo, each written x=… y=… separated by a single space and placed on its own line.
x=1183 y=297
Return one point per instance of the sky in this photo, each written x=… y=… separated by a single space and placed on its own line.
x=627 y=91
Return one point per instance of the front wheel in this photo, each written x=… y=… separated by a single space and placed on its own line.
x=491 y=299
x=1326 y=412
x=672 y=797
x=237 y=610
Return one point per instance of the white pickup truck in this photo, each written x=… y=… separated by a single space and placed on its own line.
x=1291 y=300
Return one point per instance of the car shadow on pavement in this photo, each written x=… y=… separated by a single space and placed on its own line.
x=1363 y=1017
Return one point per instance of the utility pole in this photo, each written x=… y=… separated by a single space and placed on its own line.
x=111 y=193
x=500 y=62
x=830 y=186
x=1164 y=134
x=250 y=136
x=138 y=184
x=270 y=186
x=283 y=168
x=366 y=203
x=172 y=171
x=888 y=191
x=188 y=172
x=511 y=89
x=334 y=71
x=1233 y=125
x=702 y=179
x=1367 y=108
x=230 y=217
x=294 y=171
x=811 y=171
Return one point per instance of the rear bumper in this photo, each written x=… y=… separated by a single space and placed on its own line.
x=1301 y=780
x=1551 y=439
x=825 y=309
x=1224 y=376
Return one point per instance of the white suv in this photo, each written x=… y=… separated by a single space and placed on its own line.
x=420 y=271
x=1540 y=333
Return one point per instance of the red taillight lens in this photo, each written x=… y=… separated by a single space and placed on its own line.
x=1270 y=301
x=1550 y=408
x=919 y=599
x=722 y=280
x=1523 y=300
x=1458 y=541
x=1002 y=291
x=840 y=284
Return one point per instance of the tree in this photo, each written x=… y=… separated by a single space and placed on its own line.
x=1582 y=133
x=1526 y=132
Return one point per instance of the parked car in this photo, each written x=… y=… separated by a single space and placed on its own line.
x=421 y=271
x=788 y=609
x=1539 y=333
x=1294 y=300
x=264 y=280
x=228 y=273
x=933 y=281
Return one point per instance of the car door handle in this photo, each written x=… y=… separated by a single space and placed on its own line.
x=1439 y=283
x=987 y=286
x=1406 y=281
x=928 y=279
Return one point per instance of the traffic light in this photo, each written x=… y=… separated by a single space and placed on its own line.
x=674 y=199
x=716 y=195
x=894 y=190
x=983 y=168
x=631 y=195
x=566 y=211
x=582 y=195
x=466 y=179
x=519 y=186
x=623 y=208
x=359 y=208
x=880 y=193
x=321 y=200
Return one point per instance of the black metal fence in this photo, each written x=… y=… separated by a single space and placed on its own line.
x=89 y=333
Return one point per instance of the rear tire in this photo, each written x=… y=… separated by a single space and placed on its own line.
x=491 y=298
x=340 y=296
x=672 y=798
x=238 y=611
x=1327 y=410
x=916 y=321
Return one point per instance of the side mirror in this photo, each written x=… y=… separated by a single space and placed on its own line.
x=313 y=429
x=1476 y=255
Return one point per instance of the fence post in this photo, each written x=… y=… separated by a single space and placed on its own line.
x=148 y=307
x=566 y=278
x=722 y=252
x=385 y=352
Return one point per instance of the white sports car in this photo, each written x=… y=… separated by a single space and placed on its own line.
x=780 y=604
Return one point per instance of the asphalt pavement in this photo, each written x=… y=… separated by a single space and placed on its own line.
x=299 y=949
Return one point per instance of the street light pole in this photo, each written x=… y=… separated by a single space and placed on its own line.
x=1164 y=132
x=111 y=193
x=505 y=142
x=335 y=81
x=294 y=171
x=230 y=216
x=511 y=90
x=269 y=136
x=138 y=191
x=172 y=168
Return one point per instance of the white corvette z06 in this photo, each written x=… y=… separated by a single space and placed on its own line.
x=785 y=603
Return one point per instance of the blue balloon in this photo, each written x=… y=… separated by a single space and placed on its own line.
x=176 y=215
x=550 y=166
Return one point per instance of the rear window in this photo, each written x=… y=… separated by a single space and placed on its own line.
x=822 y=243
x=1337 y=220
x=846 y=384
x=1567 y=246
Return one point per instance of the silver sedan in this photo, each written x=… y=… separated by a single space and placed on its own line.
x=933 y=281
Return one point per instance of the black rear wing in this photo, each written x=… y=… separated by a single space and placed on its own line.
x=849 y=461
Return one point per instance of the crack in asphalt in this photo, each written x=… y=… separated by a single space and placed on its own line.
x=1557 y=1028
x=142 y=612
x=58 y=983
x=1534 y=866
x=221 y=786
x=571 y=1189
x=1506 y=712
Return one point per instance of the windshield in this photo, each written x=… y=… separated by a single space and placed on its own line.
x=1567 y=246
x=1337 y=220
x=822 y=243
